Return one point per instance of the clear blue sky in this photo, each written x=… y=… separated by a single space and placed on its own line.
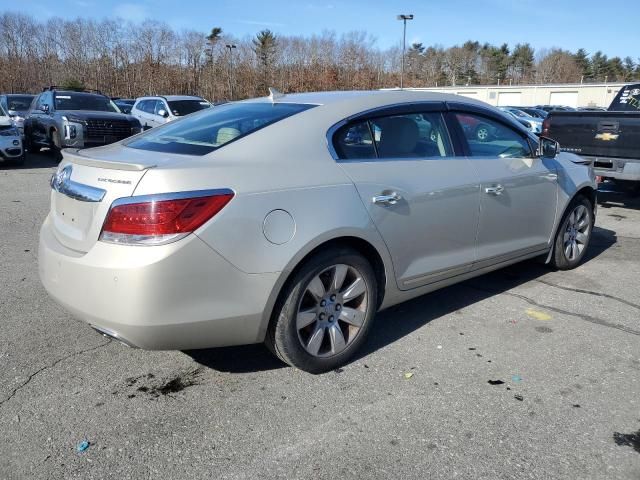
x=607 y=25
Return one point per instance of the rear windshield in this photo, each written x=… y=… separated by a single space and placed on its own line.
x=185 y=107
x=19 y=102
x=208 y=130
x=84 y=101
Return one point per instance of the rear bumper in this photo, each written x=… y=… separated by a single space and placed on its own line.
x=618 y=168
x=173 y=297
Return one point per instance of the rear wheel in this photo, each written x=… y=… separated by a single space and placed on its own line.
x=482 y=133
x=573 y=235
x=325 y=311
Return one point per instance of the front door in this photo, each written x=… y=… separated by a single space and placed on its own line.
x=518 y=190
x=421 y=196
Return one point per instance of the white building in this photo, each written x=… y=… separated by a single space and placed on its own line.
x=572 y=95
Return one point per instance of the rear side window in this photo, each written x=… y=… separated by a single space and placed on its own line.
x=489 y=138
x=414 y=135
x=210 y=129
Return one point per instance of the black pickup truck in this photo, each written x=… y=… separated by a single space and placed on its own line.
x=609 y=140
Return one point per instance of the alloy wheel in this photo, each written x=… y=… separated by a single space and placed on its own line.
x=576 y=234
x=332 y=310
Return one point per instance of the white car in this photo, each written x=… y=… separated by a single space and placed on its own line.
x=11 y=149
x=158 y=110
x=533 y=124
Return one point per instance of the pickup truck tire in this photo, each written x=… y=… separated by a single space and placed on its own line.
x=573 y=235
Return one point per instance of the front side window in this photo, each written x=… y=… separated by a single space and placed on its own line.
x=160 y=107
x=206 y=131
x=84 y=101
x=414 y=135
x=489 y=138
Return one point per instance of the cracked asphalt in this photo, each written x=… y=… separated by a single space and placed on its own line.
x=522 y=373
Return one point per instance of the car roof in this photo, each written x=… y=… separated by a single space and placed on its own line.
x=171 y=98
x=367 y=98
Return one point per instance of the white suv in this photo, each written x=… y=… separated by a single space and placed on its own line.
x=158 y=110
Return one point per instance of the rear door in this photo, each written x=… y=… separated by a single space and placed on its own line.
x=422 y=197
x=518 y=190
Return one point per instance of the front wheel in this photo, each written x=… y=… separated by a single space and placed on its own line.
x=573 y=235
x=325 y=311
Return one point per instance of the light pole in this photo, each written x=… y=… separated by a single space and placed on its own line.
x=230 y=46
x=404 y=19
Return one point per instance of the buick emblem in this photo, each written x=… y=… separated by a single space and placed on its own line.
x=60 y=178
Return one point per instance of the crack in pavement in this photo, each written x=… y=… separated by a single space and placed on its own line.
x=589 y=292
x=588 y=318
x=46 y=367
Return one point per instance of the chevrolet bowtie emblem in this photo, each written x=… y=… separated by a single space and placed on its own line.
x=607 y=136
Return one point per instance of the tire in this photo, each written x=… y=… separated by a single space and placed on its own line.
x=19 y=162
x=569 y=246
x=483 y=134
x=56 y=149
x=316 y=327
x=29 y=145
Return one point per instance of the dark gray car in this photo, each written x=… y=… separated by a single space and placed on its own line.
x=60 y=119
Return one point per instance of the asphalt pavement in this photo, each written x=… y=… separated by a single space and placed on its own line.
x=523 y=373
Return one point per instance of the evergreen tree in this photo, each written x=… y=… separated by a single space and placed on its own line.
x=582 y=60
x=265 y=46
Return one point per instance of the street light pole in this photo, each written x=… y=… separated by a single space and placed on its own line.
x=230 y=46
x=404 y=19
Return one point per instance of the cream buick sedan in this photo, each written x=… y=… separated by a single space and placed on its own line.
x=293 y=219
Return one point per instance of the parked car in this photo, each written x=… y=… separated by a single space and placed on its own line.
x=534 y=112
x=289 y=220
x=124 y=104
x=610 y=140
x=591 y=109
x=10 y=140
x=534 y=125
x=156 y=111
x=17 y=105
x=60 y=118
x=553 y=108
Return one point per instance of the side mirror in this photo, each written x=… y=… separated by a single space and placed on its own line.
x=548 y=148
x=45 y=108
x=163 y=113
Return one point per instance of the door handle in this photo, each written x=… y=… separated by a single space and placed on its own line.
x=494 y=190
x=387 y=199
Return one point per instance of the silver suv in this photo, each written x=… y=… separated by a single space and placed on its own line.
x=158 y=110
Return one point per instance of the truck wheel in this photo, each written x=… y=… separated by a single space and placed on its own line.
x=324 y=312
x=573 y=235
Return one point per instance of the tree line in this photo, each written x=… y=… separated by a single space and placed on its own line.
x=125 y=59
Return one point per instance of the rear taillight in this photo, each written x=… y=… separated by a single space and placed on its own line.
x=546 y=125
x=160 y=219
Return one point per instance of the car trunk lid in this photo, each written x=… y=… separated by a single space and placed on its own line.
x=82 y=191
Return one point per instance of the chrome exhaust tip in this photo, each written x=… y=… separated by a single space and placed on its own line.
x=105 y=332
